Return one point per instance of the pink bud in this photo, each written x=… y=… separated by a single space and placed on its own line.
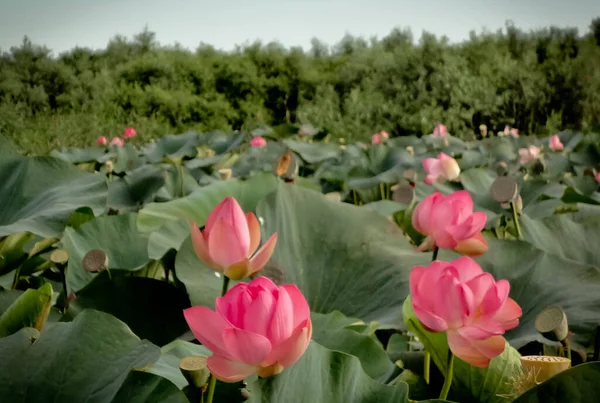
x=440 y=169
x=229 y=240
x=101 y=141
x=440 y=131
x=555 y=143
x=256 y=328
x=117 y=141
x=258 y=142
x=448 y=220
x=468 y=304
x=129 y=133
x=528 y=154
x=377 y=138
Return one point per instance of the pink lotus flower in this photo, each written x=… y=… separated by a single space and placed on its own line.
x=440 y=131
x=441 y=169
x=101 y=141
x=468 y=304
x=129 y=133
x=256 y=328
x=556 y=144
x=508 y=131
x=528 y=154
x=117 y=141
x=450 y=223
x=377 y=138
x=229 y=240
x=597 y=177
x=258 y=142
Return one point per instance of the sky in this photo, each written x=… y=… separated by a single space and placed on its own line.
x=63 y=24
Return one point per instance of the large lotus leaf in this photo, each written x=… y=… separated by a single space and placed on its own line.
x=116 y=236
x=30 y=309
x=575 y=385
x=386 y=208
x=86 y=360
x=334 y=331
x=182 y=145
x=503 y=150
x=572 y=195
x=126 y=159
x=322 y=375
x=532 y=190
x=39 y=194
x=79 y=155
x=540 y=279
x=561 y=236
x=313 y=153
x=557 y=164
x=178 y=183
x=258 y=160
x=153 y=309
x=143 y=387
x=341 y=256
x=586 y=155
x=169 y=236
x=470 y=384
x=471 y=159
x=136 y=188
x=198 y=205
x=222 y=143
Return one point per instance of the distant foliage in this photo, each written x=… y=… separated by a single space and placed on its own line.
x=536 y=82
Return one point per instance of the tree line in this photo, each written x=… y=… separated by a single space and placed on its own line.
x=538 y=81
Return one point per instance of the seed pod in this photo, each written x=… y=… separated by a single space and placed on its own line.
x=504 y=189
x=95 y=261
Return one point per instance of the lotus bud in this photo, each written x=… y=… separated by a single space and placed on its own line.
x=195 y=371
x=411 y=150
x=109 y=166
x=229 y=241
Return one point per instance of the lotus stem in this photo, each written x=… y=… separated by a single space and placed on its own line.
x=355 y=197
x=567 y=347
x=435 y=253
x=449 y=375
x=513 y=208
x=382 y=190
x=225 y=285
x=211 y=388
x=181 y=184
x=427 y=366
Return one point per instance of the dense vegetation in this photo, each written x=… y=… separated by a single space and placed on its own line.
x=537 y=81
